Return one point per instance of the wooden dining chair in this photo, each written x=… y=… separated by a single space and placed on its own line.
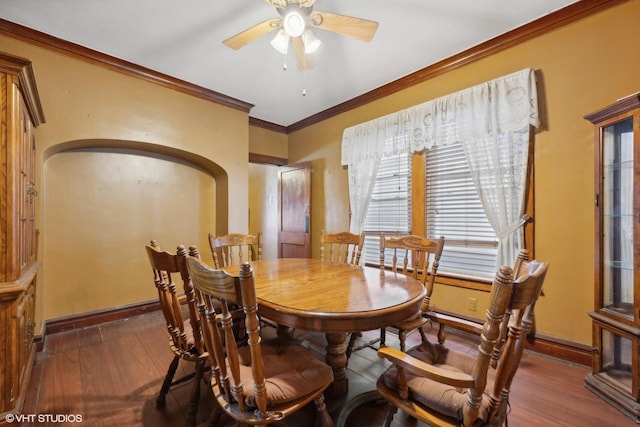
x=342 y=247
x=444 y=387
x=419 y=258
x=175 y=291
x=262 y=382
x=444 y=320
x=235 y=248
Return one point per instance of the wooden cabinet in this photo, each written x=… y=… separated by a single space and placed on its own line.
x=20 y=113
x=616 y=315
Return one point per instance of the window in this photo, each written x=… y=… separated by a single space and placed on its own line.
x=453 y=210
x=390 y=207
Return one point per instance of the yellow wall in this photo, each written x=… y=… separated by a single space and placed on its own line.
x=268 y=142
x=320 y=144
x=582 y=68
x=193 y=154
x=263 y=187
x=263 y=207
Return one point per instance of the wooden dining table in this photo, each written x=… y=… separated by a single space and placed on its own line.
x=334 y=298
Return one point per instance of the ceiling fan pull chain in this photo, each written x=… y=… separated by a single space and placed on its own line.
x=304 y=77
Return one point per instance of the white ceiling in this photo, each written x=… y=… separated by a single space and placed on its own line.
x=184 y=40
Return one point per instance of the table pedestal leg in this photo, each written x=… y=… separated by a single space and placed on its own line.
x=337 y=359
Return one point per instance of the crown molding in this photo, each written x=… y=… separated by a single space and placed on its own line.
x=267 y=125
x=38 y=38
x=548 y=23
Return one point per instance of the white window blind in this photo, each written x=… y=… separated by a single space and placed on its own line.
x=390 y=207
x=453 y=210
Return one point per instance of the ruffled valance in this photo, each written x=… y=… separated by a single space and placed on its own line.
x=506 y=104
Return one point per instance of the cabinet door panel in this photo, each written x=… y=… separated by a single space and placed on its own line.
x=20 y=112
x=616 y=315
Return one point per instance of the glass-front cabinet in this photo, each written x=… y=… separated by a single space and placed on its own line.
x=616 y=315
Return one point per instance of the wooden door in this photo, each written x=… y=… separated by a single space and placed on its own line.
x=294 y=233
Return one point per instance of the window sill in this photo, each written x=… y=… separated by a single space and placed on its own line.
x=475 y=284
x=467 y=283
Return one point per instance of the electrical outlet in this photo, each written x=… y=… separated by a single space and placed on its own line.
x=472 y=304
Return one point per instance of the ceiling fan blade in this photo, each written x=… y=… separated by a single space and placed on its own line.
x=361 y=29
x=305 y=60
x=250 y=34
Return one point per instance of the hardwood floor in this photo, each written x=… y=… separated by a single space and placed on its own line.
x=110 y=375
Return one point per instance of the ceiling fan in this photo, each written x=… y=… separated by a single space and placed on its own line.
x=297 y=19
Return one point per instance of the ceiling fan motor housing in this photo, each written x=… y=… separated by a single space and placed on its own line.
x=294 y=20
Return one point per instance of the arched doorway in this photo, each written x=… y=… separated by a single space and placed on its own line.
x=103 y=201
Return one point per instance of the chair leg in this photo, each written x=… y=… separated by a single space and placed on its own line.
x=321 y=407
x=194 y=399
x=391 y=411
x=216 y=414
x=423 y=336
x=441 y=334
x=383 y=336
x=352 y=342
x=168 y=379
x=402 y=336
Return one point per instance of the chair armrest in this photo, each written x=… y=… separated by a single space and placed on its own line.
x=418 y=367
x=455 y=322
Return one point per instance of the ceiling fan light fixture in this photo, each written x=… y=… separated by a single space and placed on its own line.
x=311 y=42
x=294 y=22
x=281 y=42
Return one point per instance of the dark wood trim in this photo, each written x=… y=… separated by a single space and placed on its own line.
x=29 y=35
x=548 y=23
x=23 y=68
x=267 y=125
x=565 y=350
x=622 y=106
x=96 y=317
x=38 y=342
x=467 y=283
x=267 y=160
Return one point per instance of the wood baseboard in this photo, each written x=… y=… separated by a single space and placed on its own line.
x=550 y=346
x=38 y=342
x=565 y=350
x=96 y=317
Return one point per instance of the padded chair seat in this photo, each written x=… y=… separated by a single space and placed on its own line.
x=443 y=398
x=188 y=330
x=290 y=371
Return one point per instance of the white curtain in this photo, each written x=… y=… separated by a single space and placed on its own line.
x=491 y=120
x=362 y=179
